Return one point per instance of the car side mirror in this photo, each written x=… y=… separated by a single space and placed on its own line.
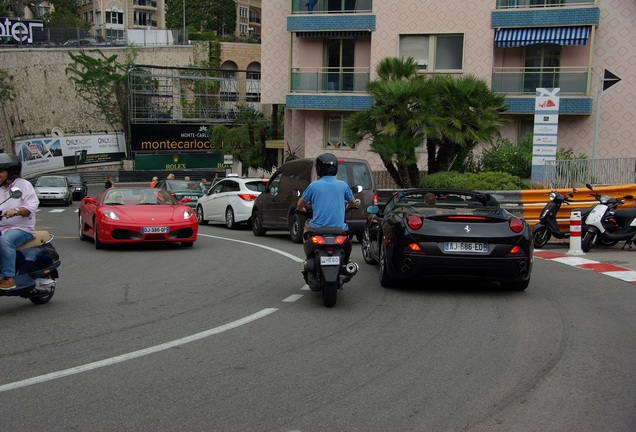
x=357 y=189
x=184 y=200
x=90 y=200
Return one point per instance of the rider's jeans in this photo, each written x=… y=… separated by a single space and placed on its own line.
x=8 y=242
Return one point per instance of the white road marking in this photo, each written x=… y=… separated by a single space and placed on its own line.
x=57 y=210
x=285 y=254
x=293 y=298
x=136 y=354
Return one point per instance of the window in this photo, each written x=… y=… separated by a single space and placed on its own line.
x=114 y=17
x=335 y=133
x=339 y=62
x=434 y=53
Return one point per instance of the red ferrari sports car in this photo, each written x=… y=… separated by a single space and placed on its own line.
x=136 y=214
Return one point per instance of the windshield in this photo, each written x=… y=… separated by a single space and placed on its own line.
x=138 y=196
x=51 y=182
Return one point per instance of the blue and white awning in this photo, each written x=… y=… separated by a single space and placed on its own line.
x=517 y=37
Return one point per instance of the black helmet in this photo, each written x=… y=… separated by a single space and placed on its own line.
x=326 y=164
x=12 y=164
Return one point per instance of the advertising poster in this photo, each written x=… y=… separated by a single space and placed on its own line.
x=546 y=122
x=181 y=138
x=41 y=155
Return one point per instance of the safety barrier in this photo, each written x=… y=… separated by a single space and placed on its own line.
x=533 y=201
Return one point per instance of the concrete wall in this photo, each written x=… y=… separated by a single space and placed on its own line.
x=46 y=100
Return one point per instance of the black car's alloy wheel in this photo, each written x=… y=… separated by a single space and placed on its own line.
x=386 y=280
x=296 y=228
x=366 y=248
x=257 y=225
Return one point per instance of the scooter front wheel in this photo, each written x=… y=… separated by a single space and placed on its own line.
x=540 y=236
x=329 y=294
x=586 y=243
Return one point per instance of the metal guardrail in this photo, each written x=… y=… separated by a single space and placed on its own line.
x=578 y=172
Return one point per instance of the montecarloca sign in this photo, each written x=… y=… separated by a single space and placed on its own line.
x=170 y=138
x=21 y=32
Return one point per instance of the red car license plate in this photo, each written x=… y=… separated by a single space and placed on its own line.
x=155 y=230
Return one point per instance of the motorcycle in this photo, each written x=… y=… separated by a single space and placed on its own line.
x=36 y=265
x=326 y=268
x=606 y=223
x=548 y=226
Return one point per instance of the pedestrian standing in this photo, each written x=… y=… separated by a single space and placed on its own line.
x=108 y=182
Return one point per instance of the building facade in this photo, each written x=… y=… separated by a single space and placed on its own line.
x=318 y=56
x=111 y=18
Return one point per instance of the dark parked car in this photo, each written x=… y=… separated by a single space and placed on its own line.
x=79 y=185
x=448 y=232
x=275 y=207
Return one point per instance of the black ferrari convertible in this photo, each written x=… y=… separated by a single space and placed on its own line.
x=448 y=232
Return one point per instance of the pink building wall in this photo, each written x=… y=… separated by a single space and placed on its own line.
x=613 y=46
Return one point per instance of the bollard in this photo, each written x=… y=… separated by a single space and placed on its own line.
x=575 y=233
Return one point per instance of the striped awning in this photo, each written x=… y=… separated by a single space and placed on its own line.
x=333 y=33
x=517 y=37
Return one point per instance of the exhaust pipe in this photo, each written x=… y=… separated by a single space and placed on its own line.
x=351 y=268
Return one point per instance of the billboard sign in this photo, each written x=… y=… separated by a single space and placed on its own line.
x=21 y=32
x=168 y=137
x=50 y=154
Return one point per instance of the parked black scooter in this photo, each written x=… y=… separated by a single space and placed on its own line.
x=605 y=223
x=36 y=266
x=326 y=267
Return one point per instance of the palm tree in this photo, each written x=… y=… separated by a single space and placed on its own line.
x=464 y=114
x=395 y=123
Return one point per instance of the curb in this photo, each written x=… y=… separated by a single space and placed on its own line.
x=617 y=272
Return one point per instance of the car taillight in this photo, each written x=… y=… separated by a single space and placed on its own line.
x=517 y=251
x=247 y=197
x=516 y=225
x=415 y=222
x=375 y=199
x=413 y=248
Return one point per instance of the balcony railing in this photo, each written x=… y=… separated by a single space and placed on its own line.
x=511 y=80
x=329 y=80
x=331 y=6
x=512 y=4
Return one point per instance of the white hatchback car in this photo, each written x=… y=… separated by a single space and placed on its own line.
x=230 y=201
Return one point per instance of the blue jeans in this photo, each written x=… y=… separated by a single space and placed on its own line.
x=8 y=242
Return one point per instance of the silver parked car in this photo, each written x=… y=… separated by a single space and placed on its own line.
x=54 y=189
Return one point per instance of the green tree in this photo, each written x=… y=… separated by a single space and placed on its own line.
x=6 y=88
x=395 y=124
x=65 y=15
x=463 y=113
x=246 y=139
x=102 y=81
x=202 y=15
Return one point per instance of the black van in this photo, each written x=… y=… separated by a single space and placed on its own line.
x=275 y=208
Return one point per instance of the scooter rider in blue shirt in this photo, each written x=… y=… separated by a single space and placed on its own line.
x=327 y=196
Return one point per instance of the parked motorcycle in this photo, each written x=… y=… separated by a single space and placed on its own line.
x=326 y=267
x=605 y=223
x=548 y=225
x=36 y=266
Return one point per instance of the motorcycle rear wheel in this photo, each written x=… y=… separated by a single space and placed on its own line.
x=540 y=236
x=41 y=299
x=606 y=243
x=329 y=294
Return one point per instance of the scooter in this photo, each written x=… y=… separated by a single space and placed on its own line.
x=548 y=226
x=326 y=267
x=36 y=266
x=606 y=223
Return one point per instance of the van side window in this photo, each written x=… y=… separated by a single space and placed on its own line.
x=361 y=176
x=272 y=186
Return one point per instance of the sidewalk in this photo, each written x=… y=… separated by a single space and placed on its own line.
x=615 y=261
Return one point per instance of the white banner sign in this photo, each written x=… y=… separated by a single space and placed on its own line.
x=545 y=132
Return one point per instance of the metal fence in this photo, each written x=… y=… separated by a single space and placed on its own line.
x=578 y=172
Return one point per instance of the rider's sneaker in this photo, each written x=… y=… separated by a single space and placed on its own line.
x=7 y=283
